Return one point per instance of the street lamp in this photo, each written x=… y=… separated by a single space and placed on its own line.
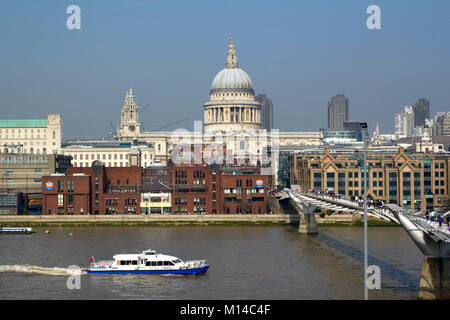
x=366 y=138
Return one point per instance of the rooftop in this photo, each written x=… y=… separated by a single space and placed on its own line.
x=23 y=123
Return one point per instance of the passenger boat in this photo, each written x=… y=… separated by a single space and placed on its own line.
x=7 y=230
x=148 y=262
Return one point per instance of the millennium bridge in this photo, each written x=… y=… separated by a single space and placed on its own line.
x=432 y=240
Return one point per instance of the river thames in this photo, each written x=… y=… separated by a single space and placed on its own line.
x=246 y=262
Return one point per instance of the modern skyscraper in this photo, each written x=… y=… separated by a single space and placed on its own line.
x=337 y=112
x=441 y=124
x=404 y=122
x=421 y=112
x=266 y=111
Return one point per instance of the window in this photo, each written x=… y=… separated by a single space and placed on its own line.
x=70 y=185
x=60 y=199
x=60 y=185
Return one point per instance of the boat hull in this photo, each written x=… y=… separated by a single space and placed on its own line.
x=5 y=230
x=180 y=271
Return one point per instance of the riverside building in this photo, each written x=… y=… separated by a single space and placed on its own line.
x=112 y=153
x=23 y=172
x=31 y=136
x=193 y=189
x=411 y=180
x=219 y=189
x=92 y=190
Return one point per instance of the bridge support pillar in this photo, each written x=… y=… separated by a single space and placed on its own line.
x=307 y=223
x=435 y=279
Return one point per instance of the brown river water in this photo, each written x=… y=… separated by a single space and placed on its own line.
x=246 y=262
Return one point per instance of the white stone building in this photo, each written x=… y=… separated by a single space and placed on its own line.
x=31 y=136
x=112 y=153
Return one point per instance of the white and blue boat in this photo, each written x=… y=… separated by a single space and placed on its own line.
x=148 y=262
x=7 y=230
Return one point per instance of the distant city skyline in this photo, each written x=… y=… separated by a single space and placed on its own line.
x=298 y=54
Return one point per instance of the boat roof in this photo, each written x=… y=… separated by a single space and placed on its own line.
x=134 y=256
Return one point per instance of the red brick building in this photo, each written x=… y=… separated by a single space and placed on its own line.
x=192 y=187
x=94 y=190
x=242 y=190
x=196 y=189
x=218 y=190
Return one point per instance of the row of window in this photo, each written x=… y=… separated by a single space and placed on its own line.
x=61 y=200
x=248 y=210
x=97 y=157
x=107 y=164
x=247 y=191
x=70 y=185
x=11 y=180
x=248 y=182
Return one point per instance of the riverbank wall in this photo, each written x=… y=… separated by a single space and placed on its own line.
x=189 y=219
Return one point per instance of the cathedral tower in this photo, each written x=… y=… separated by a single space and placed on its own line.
x=130 y=127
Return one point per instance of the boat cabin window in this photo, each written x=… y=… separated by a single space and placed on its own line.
x=176 y=261
x=160 y=263
x=168 y=263
x=149 y=253
x=128 y=262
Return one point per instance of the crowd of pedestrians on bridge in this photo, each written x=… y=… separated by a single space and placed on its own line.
x=359 y=201
x=439 y=218
x=442 y=219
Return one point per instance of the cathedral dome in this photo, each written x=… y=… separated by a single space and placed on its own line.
x=232 y=78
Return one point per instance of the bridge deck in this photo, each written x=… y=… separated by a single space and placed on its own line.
x=387 y=212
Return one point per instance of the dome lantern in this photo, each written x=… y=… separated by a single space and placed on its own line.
x=232 y=77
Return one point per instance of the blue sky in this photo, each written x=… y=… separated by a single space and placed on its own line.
x=299 y=53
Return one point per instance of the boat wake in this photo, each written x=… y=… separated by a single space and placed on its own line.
x=41 y=270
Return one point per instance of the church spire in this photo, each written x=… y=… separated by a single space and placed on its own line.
x=231 y=56
x=131 y=92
